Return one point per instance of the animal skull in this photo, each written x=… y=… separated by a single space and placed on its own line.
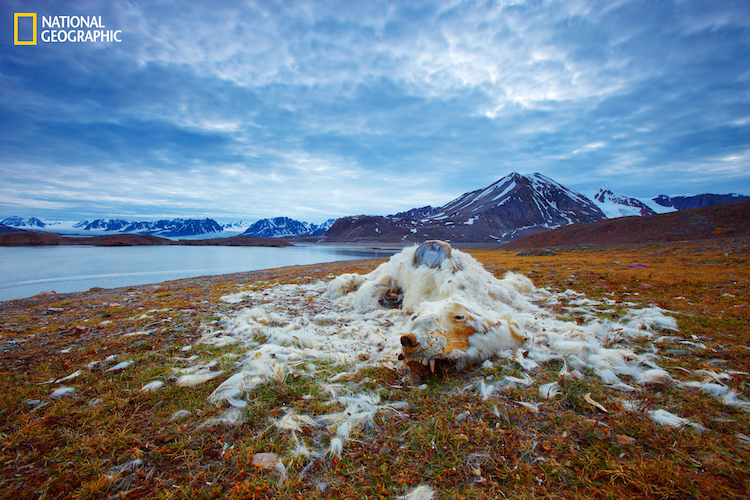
x=455 y=331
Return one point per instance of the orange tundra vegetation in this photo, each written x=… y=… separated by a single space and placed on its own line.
x=78 y=422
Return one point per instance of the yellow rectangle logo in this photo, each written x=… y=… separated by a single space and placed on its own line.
x=16 y=41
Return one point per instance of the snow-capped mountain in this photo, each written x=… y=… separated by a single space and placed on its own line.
x=514 y=206
x=520 y=203
x=615 y=204
x=31 y=222
x=102 y=225
x=164 y=227
x=280 y=227
x=322 y=228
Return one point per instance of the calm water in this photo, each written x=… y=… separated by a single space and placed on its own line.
x=26 y=271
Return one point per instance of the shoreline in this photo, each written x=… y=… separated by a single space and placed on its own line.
x=40 y=238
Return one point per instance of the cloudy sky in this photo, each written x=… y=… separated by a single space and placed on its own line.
x=312 y=109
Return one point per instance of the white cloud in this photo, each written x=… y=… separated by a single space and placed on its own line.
x=333 y=108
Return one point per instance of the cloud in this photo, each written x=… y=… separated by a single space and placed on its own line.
x=322 y=109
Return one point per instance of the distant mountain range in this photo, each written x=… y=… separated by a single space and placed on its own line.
x=513 y=207
x=168 y=228
x=31 y=222
x=268 y=228
x=284 y=226
x=699 y=201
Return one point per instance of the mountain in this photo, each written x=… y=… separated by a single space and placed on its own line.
x=697 y=201
x=284 y=226
x=512 y=207
x=615 y=204
x=729 y=220
x=168 y=228
x=414 y=213
x=16 y=221
x=322 y=228
x=103 y=225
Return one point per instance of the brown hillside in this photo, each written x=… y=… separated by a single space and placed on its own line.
x=32 y=238
x=36 y=238
x=719 y=221
x=29 y=238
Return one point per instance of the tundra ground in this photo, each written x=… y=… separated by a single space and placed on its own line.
x=77 y=424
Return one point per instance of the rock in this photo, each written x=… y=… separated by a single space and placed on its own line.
x=678 y=352
x=266 y=460
x=624 y=440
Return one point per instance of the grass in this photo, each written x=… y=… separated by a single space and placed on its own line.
x=111 y=440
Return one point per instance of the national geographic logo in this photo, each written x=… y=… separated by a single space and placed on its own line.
x=62 y=29
x=23 y=19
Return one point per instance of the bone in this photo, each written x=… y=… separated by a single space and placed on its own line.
x=432 y=253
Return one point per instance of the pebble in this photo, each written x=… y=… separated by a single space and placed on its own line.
x=678 y=352
x=266 y=460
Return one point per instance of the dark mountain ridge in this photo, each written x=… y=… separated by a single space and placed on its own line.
x=730 y=220
x=697 y=201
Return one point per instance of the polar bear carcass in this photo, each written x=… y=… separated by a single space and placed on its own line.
x=459 y=312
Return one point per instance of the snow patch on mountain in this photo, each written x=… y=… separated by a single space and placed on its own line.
x=615 y=204
x=239 y=226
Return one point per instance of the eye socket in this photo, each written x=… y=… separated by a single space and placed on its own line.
x=459 y=317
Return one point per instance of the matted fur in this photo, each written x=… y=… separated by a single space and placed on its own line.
x=295 y=330
x=461 y=312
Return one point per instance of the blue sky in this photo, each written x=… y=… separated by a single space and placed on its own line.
x=245 y=110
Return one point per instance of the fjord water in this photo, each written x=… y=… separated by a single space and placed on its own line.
x=27 y=271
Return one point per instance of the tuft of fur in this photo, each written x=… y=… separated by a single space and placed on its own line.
x=664 y=417
x=421 y=492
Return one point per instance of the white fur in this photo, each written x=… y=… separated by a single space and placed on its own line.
x=332 y=331
x=549 y=391
x=152 y=386
x=421 y=492
x=62 y=392
x=197 y=379
x=664 y=417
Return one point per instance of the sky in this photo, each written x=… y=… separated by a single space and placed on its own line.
x=315 y=110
